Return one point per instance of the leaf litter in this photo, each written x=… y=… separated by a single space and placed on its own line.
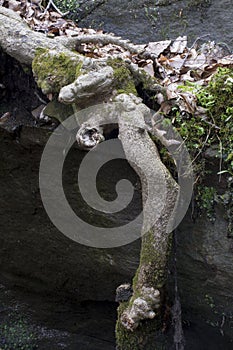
x=171 y=62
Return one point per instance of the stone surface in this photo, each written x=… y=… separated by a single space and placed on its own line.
x=143 y=21
x=205 y=274
x=33 y=253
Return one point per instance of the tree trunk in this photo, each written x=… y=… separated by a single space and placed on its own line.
x=140 y=317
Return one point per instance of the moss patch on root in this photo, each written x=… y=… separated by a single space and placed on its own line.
x=124 y=82
x=150 y=256
x=54 y=70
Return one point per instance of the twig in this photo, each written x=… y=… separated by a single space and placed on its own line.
x=211 y=124
x=39 y=98
x=226 y=46
x=106 y=39
x=220 y=162
x=55 y=7
x=204 y=143
x=189 y=50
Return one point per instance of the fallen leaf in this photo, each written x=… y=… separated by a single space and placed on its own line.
x=14 y=5
x=158 y=47
x=149 y=68
x=179 y=45
x=176 y=62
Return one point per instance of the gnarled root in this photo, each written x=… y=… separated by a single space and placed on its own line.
x=142 y=308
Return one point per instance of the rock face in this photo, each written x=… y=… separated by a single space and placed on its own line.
x=204 y=263
x=33 y=252
x=143 y=21
x=205 y=260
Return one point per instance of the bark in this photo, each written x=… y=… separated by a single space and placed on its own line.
x=140 y=317
x=20 y=42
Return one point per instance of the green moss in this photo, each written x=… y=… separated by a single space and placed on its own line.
x=124 y=82
x=150 y=83
x=27 y=70
x=226 y=200
x=209 y=301
x=215 y=131
x=155 y=258
x=217 y=98
x=53 y=71
x=206 y=197
x=17 y=334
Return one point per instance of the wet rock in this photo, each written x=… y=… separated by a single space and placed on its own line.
x=205 y=260
x=144 y=21
x=33 y=253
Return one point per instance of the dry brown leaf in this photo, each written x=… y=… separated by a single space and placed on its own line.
x=187 y=77
x=70 y=32
x=166 y=107
x=226 y=61
x=162 y=59
x=196 y=62
x=149 y=68
x=53 y=31
x=176 y=62
x=30 y=12
x=187 y=102
x=179 y=45
x=54 y=15
x=14 y=5
x=171 y=90
x=157 y=48
x=37 y=111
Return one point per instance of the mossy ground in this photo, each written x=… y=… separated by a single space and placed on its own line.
x=200 y=133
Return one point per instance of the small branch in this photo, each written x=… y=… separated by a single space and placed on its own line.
x=189 y=50
x=55 y=7
x=39 y=98
x=105 y=39
x=203 y=145
x=221 y=158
